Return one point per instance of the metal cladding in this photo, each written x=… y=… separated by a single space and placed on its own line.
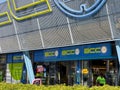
x=32 y=25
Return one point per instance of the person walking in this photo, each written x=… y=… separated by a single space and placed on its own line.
x=100 y=81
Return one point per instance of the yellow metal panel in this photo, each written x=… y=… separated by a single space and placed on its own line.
x=27 y=6
x=5 y=22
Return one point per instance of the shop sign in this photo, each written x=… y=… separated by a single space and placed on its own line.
x=51 y=53
x=92 y=50
x=102 y=49
x=15 y=57
x=85 y=71
x=97 y=49
x=70 y=52
x=79 y=52
x=18 y=57
x=83 y=12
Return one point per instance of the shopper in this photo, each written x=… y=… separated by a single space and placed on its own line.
x=100 y=81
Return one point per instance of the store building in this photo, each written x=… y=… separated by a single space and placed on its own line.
x=60 y=41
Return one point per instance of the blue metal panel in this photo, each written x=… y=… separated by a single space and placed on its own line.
x=15 y=57
x=97 y=50
x=85 y=52
x=38 y=55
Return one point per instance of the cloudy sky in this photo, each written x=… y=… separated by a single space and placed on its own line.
x=2 y=1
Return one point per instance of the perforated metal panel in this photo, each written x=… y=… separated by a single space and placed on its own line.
x=91 y=31
x=56 y=18
x=58 y=36
x=21 y=12
x=54 y=27
x=115 y=19
x=26 y=26
x=8 y=29
x=9 y=44
x=3 y=7
x=30 y=41
x=8 y=39
x=3 y=18
x=114 y=14
x=20 y=3
x=75 y=5
x=113 y=6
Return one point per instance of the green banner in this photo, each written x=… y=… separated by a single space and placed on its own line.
x=16 y=70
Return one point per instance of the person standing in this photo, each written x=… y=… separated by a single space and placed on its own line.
x=100 y=81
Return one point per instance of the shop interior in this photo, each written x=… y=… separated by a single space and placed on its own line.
x=108 y=68
x=56 y=73
x=64 y=72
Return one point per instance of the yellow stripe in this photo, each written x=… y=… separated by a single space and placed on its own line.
x=27 y=6
x=5 y=22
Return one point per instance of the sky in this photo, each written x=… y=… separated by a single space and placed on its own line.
x=2 y=1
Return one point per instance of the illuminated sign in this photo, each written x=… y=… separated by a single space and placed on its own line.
x=18 y=57
x=84 y=11
x=79 y=52
x=96 y=50
x=51 y=53
x=104 y=49
x=92 y=50
x=70 y=52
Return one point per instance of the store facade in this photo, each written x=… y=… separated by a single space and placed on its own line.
x=77 y=64
x=60 y=41
x=70 y=65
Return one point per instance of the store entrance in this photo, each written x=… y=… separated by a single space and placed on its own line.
x=107 y=67
x=56 y=72
x=61 y=72
x=66 y=72
x=98 y=66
